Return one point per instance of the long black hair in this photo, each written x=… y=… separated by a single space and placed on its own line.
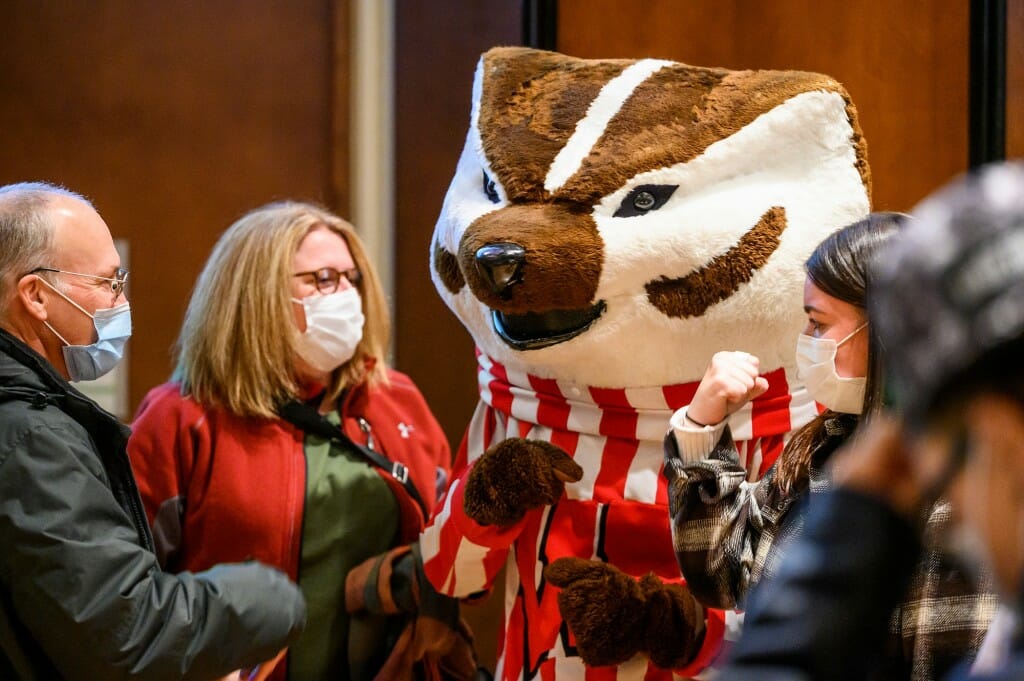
x=840 y=267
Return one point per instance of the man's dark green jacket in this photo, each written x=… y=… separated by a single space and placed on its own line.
x=81 y=594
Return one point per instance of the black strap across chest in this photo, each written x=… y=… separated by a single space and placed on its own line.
x=306 y=418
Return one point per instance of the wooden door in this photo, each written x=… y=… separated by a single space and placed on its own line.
x=904 y=63
x=174 y=119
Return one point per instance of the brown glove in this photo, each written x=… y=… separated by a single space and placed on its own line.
x=436 y=639
x=515 y=476
x=615 y=617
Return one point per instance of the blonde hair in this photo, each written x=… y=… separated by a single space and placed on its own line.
x=237 y=346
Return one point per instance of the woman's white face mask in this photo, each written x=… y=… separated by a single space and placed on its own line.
x=334 y=327
x=816 y=366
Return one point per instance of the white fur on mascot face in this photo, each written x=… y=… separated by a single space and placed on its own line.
x=615 y=223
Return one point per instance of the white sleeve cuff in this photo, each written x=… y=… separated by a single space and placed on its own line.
x=694 y=442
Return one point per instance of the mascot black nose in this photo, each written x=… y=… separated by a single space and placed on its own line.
x=500 y=264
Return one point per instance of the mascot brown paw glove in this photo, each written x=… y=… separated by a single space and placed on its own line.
x=615 y=617
x=515 y=476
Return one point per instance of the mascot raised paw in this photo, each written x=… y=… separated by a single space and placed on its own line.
x=610 y=226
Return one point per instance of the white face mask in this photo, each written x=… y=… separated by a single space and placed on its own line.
x=816 y=366
x=113 y=329
x=334 y=327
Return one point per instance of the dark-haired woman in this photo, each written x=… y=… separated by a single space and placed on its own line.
x=730 y=533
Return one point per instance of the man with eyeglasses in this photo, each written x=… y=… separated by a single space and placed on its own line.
x=81 y=594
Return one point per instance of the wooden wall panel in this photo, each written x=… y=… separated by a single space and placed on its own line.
x=174 y=118
x=438 y=43
x=1015 y=79
x=905 y=64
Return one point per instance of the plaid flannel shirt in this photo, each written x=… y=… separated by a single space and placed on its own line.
x=727 y=533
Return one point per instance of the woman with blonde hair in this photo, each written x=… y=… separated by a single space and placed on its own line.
x=284 y=437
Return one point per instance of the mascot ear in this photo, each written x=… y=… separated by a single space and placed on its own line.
x=786 y=126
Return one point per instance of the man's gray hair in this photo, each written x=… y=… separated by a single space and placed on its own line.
x=26 y=231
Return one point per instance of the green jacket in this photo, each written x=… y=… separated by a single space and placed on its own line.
x=81 y=594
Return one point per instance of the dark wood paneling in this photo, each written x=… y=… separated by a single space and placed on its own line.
x=174 y=118
x=1015 y=79
x=438 y=43
x=339 y=150
x=905 y=64
x=437 y=46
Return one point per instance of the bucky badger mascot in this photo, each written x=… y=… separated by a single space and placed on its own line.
x=610 y=226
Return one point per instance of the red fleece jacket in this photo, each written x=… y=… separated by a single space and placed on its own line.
x=221 y=488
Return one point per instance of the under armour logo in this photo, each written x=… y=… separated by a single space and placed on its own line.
x=405 y=429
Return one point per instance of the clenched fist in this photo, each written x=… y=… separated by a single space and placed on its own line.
x=731 y=380
x=515 y=476
x=614 y=617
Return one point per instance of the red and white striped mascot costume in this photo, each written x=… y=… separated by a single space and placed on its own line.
x=611 y=225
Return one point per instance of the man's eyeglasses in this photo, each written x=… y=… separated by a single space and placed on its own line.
x=328 y=279
x=117 y=282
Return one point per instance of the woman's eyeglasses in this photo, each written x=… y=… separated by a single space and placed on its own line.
x=328 y=279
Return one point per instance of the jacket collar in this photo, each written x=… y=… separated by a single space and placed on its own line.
x=21 y=366
x=25 y=372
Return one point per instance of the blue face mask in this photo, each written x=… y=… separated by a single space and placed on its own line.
x=113 y=329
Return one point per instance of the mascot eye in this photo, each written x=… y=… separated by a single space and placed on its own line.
x=490 y=190
x=644 y=199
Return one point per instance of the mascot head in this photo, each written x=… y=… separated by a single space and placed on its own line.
x=614 y=223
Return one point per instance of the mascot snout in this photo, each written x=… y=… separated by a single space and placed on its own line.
x=537 y=268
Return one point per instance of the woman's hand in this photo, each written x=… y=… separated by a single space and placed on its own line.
x=731 y=380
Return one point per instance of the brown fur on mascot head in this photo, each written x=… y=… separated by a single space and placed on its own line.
x=610 y=226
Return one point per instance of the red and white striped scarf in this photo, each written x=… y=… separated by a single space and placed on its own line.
x=585 y=420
